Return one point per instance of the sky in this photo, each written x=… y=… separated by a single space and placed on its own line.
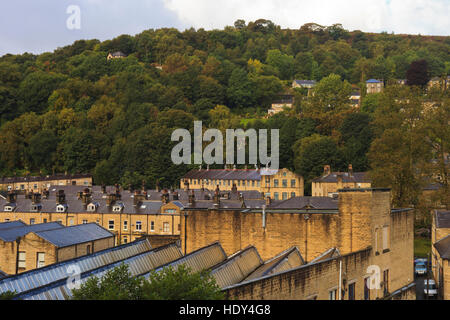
x=42 y=25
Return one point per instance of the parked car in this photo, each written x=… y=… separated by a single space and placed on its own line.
x=430 y=288
x=420 y=268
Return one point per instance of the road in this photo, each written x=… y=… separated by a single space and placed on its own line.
x=420 y=286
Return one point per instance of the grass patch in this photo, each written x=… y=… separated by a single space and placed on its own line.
x=422 y=247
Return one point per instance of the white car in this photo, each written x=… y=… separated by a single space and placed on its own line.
x=430 y=288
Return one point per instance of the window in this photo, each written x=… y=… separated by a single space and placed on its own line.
x=351 y=291
x=71 y=222
x=22 y=259
x=88 y=249
x=385 y=238
x=285 y=183
x=366 y=289
x=35 y=186
x=40 y=260
x=125 y=239
x=32 y=221
x=376 y=241
x=97 y=221
x=386 y=281
x=138 y=225
x=275 y=183
x=332 y=294
x=166 y=227
x=284 y=174
x=257 y=183
x=276 y=196
x=6 y=220
x=253 y=183
x=59 y=220
x=179 y=227
x=111 y=224
x=292 y=194
x=285 y=195
x=152 y=226
x=239 y=182
x=125 y=225
x=171 y=211
x=22 y=187
x=293 y=183
x=85 y=221
x=44 y=220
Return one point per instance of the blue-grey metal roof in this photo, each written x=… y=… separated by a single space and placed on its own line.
x=40 y=277
x=12 y=224
x=12 y=234
x=68 y=236
x=2 y=274
x=373 y=81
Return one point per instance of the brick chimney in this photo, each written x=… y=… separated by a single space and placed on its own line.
x=111 y=199
x=217 y=195
x=36 y=198
x=165 y=196
x=118 y=195
x=350 y=170
x=339 y=181
x=268 y=200
x=192 y=198
x=12 y=196
x=86 y=196
x=60 y=197
x=137 y=200
x=326 y=170
x=234 y=188
x=103 y=188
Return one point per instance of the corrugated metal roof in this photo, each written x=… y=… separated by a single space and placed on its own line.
x=138 y=265
x=286 y=260
x=330 y=253
x=237 y=267
x=43 y=276
x=69 y=236
x=201 y=259
x=12 y=234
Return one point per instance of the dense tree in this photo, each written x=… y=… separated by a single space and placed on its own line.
x=417 y=74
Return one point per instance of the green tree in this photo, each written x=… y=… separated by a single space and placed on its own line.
x=116 y=284
x=181 y=284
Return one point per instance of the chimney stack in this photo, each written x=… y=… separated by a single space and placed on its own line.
x=36 y=198
x=165 y=196
x=86 y=196
x=234 y=188
x=217 y=195
x=350 y=170
x=46 y=193
x=61 y=197
x=137 y=200
x=111 y=199
x=103 y=188
x=268 y=200
x=175 y=196
x=192 y=198
x=186 y=185
x=326 y=170
x=12 y=196
x=339 y=181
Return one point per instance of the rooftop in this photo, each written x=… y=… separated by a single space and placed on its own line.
x=443 y=247
x=355 y=177
x=11 y=234
x=442 y=218
x=373 y=81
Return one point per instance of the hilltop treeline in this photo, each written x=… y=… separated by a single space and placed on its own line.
x=73 y=110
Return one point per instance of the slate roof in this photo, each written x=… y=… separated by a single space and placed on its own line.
x=356 y=177
x=68 y=236
x=12 y=234
x=442 y=218
x=44 y=178
x=306 y=203
x=305 y=82
x=3 y=275
x=12 y=224
x=224 y=174
x=443 y=247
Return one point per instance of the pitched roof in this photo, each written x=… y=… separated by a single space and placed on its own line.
x=118 y=54
x=305 y=82
x=12 y=224
x=12 y=234
x=442 y=218
x=356 y=177
x=224 y=174
x=443 y=247
x=306 y=203
x=44 y=178
x=3 y=275
x=68 y=236
x=373 y=81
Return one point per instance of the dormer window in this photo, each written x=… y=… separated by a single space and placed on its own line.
x=118 y=207
x=36 y=207
x=92 y=207
x=9 y=208
x=61 y=208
